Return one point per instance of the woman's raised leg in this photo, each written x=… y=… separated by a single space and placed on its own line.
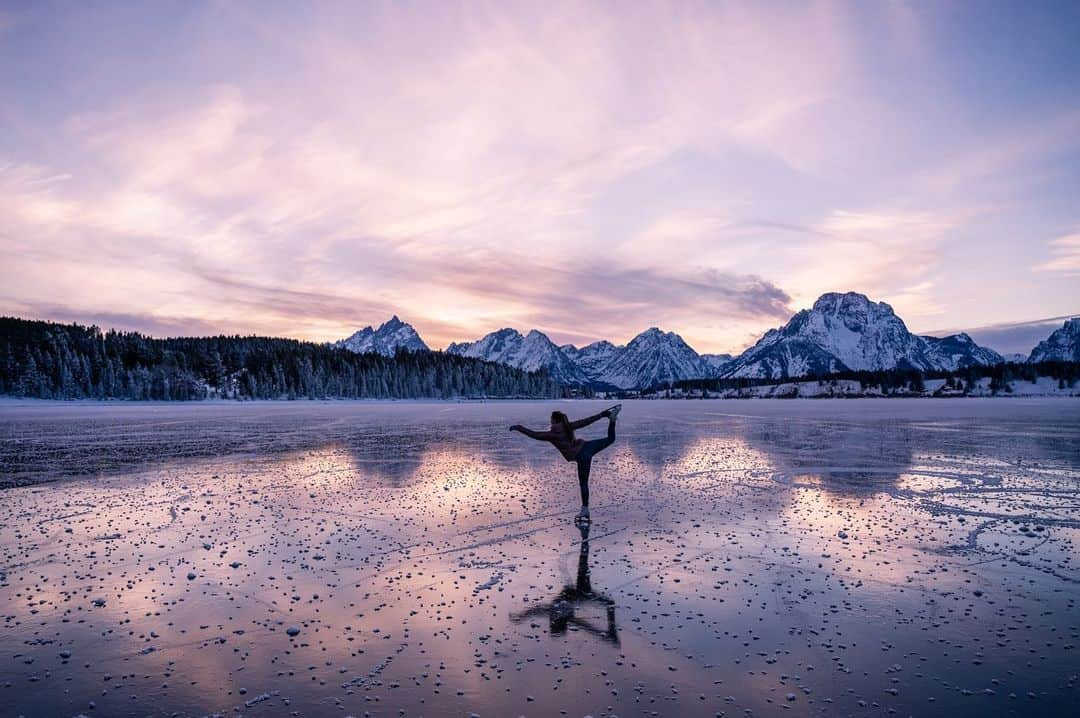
x=596 y=445
x=610 y=431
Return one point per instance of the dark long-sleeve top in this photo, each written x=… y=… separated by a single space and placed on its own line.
x=567 y=444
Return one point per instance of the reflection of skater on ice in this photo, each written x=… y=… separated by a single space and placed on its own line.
x=561 y=436
x=561 y=611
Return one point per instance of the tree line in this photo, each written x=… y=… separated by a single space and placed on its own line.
x=888 y=380
x=47 y=360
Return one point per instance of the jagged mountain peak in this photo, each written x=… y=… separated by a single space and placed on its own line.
x=850 y=331
x=839 y=301
x=391 y=336
x=654 y=333
x=530 y=352
x=602 y=345
x=1063 y=344
x=956 y=350
x=856 y=311
x=652 y=358
x=592 y=358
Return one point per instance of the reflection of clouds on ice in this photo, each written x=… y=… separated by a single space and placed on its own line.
x=734 y=545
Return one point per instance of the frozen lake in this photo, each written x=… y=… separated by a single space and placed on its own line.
x=864 y=557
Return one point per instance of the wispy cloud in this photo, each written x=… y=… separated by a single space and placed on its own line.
x=1065 y=253
x=882 y=253
x=585 y=301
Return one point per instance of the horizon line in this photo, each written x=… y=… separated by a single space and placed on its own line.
x=997 y=327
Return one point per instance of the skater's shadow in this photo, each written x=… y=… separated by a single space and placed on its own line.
x=562 y=610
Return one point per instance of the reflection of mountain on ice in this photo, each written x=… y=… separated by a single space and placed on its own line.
x=846 y=456
x=843 y=453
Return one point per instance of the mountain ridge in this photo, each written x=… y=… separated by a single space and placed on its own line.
x=839 y=332
x=531 y=352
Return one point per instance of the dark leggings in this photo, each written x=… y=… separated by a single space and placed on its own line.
x=585 y=456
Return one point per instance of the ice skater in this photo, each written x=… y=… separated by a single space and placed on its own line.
x=561 y=436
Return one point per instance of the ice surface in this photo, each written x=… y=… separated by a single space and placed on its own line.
x=822 y=557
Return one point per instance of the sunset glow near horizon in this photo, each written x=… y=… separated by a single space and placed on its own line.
x=588 y=170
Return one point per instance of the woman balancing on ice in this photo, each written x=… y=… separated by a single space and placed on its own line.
x=561 y=435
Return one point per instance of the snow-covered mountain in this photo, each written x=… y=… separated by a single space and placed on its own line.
x=1015 y=358
x=840 y=332
x=591 y=358
x=385 y=340
x=651 y=358
x=848 y=331
x=957 y=350
x=717 y=362
x=530 y=352
x=1062 y=345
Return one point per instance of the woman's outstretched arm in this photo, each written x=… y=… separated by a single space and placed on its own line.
x=581 y=423
x=538 y=435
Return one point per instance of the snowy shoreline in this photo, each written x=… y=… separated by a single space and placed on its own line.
x=817 y=390
x=853 y=389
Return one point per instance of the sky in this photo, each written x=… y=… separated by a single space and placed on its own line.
x=586 y=169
